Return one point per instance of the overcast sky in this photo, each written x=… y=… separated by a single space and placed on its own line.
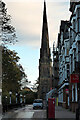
x=27 y=18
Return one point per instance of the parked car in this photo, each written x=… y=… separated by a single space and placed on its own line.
x=38 y=103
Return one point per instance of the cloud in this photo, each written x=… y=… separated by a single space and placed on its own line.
x=28 y=40
x=40 y=0
x=27 y=18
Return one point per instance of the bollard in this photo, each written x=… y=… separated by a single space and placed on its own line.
x=77 y=114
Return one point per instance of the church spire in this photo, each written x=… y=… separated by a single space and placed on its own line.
x=44 y=14
x=45 y=51
x=45 y=68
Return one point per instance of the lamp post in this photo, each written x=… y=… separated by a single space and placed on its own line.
x=6 y=102
x=16 y=98
x=10 y=96
x=24 y=99
x=21 y=98
x=6 y=97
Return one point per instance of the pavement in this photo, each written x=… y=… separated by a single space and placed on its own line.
x=28 y=112
x=25 y=113
x=0 y=116
x=62 y=113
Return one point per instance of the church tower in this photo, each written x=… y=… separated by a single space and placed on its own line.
x=45 y=67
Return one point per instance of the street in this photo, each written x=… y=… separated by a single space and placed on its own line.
x=25 y=112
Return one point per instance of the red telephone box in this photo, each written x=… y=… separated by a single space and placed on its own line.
x=51 y=108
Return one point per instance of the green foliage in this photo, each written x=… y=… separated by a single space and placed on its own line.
x=12 y=73
x=8 y=31
x=30 y=96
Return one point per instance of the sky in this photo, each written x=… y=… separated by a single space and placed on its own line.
x=27 y=18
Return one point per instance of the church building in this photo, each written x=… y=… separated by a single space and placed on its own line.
x=45 y=62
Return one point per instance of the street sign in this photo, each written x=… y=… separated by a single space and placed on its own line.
x=67 y=91
x=74 y=78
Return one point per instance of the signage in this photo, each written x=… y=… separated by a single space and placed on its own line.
x=74 y=78
x=67 y=91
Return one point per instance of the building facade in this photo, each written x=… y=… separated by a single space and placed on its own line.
x=74 y=54
x=63 y=54
x=45 y=67
x=55 y=77
x=69 y=59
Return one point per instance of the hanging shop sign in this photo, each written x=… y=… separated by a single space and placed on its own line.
x=74 y=78
x=67 y=91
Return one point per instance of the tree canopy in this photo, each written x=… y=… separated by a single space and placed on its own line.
x=13 y=72
x=8 y=33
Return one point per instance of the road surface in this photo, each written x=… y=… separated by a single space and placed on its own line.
x=25 y=112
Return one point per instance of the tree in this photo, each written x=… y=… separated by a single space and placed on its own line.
x=8 y=31
x=13 y=72
x=36 y=86
x=7 y=35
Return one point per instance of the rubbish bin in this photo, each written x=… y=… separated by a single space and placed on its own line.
x=51 y=108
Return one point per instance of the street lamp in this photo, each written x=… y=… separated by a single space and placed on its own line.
x=6 y=97
x=10 y=96
x=24 y=99
x=16 y=98
x=6 y=102
x=21 y=98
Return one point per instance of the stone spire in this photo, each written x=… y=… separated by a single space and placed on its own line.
x=45 y=67
x=45 y=38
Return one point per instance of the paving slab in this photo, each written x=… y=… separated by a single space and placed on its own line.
x=61 y=112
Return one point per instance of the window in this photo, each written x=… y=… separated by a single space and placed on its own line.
x=67 y=66
x=67 y=52
x=71 y=63
x=73 y=24
x=78 y=12
x=74 y=27
x=68 y=74
x=78 y=19
x=78 y=24
x=78 y=46
x=79 y=57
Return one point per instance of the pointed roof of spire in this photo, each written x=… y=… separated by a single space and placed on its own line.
x=45 y=51
x=44 y=14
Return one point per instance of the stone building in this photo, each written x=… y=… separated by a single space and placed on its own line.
x=74 y=54
x=55 y=69
x=69 y=59
x=45 y=67
x=63 y=53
